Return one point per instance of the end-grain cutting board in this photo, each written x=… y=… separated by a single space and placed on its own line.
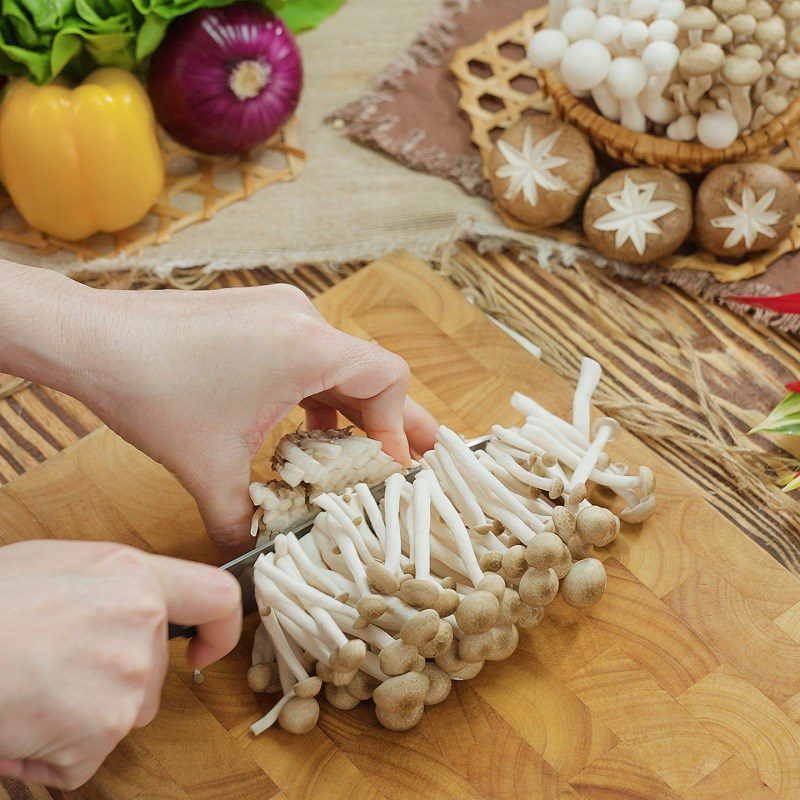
x=682 y=683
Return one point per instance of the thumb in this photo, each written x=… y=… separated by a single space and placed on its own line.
x=220 y=489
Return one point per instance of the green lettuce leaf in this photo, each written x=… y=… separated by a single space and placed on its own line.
x=45 y=38
x=302 y=15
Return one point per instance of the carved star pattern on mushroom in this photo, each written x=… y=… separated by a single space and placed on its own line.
x=634 y=214
x=749 y=219
x=532 y=166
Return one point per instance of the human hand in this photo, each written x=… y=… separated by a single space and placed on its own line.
x=197 y=381
x=84 y=648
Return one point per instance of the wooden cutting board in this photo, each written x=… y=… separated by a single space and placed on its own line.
x=683 y=682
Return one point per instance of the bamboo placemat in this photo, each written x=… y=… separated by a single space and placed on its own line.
x=689 y=378
x=197 y=187
x=495 y=79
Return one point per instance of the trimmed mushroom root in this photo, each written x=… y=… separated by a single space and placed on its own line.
x=391 y=601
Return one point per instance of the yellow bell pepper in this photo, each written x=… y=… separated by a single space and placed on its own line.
x=84 y=160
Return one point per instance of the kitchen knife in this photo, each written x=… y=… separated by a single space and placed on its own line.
x=242 y=567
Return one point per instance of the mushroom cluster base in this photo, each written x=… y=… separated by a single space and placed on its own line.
x=393 y=600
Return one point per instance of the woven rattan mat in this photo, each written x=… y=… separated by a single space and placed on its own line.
x=669 y=375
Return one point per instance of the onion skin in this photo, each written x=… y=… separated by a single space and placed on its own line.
x=225 y=80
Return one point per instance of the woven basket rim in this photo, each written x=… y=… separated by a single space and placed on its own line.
x=622 y=143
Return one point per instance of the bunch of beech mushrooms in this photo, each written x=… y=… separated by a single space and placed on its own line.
x=710 y=71
x=392 y=600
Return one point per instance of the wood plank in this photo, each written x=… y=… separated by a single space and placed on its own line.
x=634 y=698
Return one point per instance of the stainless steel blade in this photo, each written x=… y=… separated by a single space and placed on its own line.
x=242 y=567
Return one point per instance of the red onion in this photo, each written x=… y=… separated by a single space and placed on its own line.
x=226 y=79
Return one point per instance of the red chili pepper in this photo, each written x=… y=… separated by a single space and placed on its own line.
x=794 y=386
x=783 y=303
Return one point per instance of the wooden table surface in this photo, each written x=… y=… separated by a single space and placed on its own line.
x=683 y=683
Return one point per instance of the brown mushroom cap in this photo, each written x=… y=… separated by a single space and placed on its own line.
x=585 y=583
x=439 y=684
x=597 y=525
x=381 y=580
x=728 y=182
x=552 y=206
x=299 y=715
x=505 y=643
x=538 y=587
x=402 y=692
x=697 y=18
x=449 y=660
x=447 y=602
x=770 y=31
x=490 y=561
x=260 y=677
x=727 y=8
x=514 y=564
x=350 y=656
x=399 y=720
x=742 y=24
x=774 y=102
x=362 y=686
x=790 y=10
x=749 y=50
x=440 y=643
x=722 y=34
x=309 y=687
x=530 y=616
x=547 y=550
x=371 y=606
x=760 y=9
x=563 y=522
x=701 y=59
x=396 y=658
x=738 y=71
x=510 y=605
x=420 y=629
x=468 y=671
x=493 y=583
x=419 y=593
x=788 y=65
x=477 y=646
x=477 y=612
x=339 y=697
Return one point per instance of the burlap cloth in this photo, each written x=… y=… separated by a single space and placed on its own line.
x=413 y=115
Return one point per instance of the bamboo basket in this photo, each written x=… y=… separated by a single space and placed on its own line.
x=636 y=149
x=493 y=67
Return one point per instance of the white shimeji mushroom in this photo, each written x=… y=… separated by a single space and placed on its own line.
x=633 y=214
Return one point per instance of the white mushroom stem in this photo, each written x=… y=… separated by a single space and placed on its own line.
x=311 y=644
x=391 y=512
x=457 y=529
x=305 y=593
x=468 y=505
x=313 y=574
x=530 y=408
x=282 y=647
x=372 y=511
x=472 y=469
x=421 y=504
x=335 y=512
x=345 y=543
x=271 y=717
x=605 y=432
x=328 y=627
x=588 y=378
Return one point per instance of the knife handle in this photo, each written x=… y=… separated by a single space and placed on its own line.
x=181 y=631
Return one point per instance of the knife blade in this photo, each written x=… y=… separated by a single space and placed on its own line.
x=242 y=567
